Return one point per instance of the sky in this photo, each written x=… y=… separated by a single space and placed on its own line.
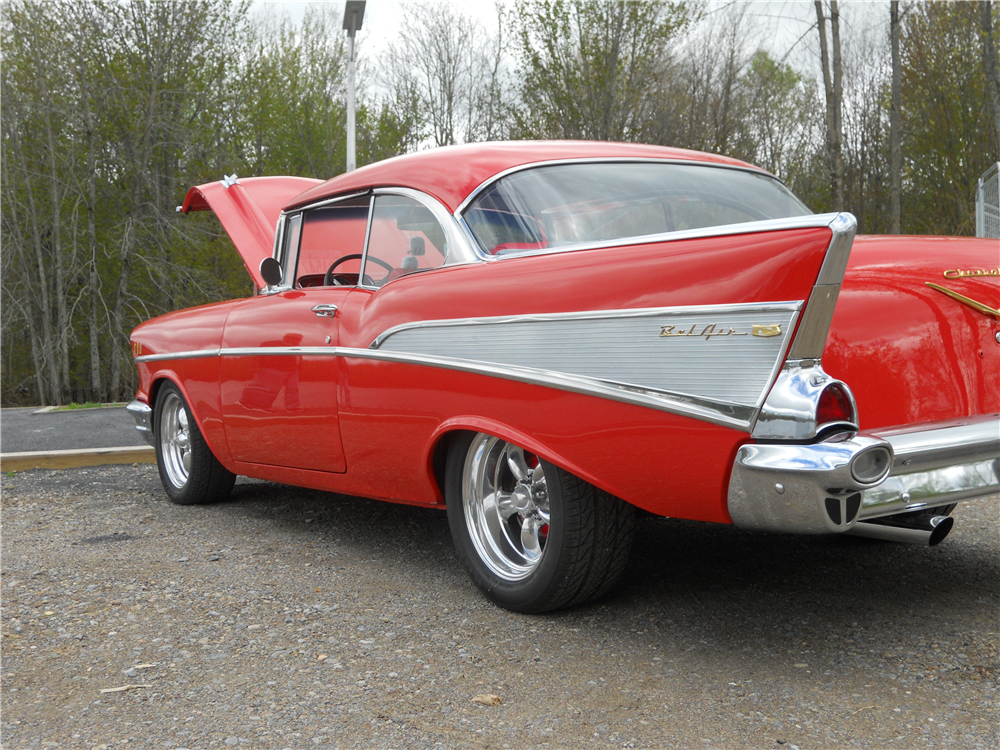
x=382 y=17
x=785 y=26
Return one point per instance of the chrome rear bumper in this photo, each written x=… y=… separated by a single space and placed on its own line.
x=143 y=416
x=811 y=489
x=952 y=461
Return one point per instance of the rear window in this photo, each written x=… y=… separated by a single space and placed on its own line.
x=581 y=204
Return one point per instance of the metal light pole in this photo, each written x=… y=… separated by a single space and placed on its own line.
x=354 y=14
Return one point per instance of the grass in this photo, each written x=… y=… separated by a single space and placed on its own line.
x=84 y=405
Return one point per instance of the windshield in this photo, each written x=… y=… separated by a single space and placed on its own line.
x=573 y=204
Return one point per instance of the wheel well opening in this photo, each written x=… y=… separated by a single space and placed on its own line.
x=154 y=390
x=439 y=459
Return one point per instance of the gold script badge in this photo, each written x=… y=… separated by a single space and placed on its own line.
x=714 y=330
x=136 y=349
x=766 y=331
x=957 y=273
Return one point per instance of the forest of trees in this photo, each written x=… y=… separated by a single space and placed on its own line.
x=111 y=110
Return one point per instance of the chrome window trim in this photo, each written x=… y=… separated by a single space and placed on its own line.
x=326 y=202
x=483 y=254
x=283 y=218
x=643 y=312
x=364 y=249
x=608 y=160
x=283 y=222
x=808 y=221
x=461 y=246
x=279 y=236
x=461 y=249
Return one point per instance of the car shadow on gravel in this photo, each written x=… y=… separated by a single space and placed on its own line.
x=730 y=585
x=401 y=540
x=716 y=586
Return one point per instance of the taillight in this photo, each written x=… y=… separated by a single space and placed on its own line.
x=835 y=405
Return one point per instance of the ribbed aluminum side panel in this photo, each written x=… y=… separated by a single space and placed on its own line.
x=627 y=349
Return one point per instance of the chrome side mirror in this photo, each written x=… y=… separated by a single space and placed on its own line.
x=270 y=271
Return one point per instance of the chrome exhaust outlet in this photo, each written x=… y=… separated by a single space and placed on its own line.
x=925 y=531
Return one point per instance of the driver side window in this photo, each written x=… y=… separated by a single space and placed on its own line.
x=332 y=241
x=405 y=238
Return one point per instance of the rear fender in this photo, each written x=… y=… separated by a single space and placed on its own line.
x=466 y=423
x=791 y=410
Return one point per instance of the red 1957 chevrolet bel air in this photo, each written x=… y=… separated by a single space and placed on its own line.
x=545 y=338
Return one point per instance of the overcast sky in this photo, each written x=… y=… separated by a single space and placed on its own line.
x=782 y=24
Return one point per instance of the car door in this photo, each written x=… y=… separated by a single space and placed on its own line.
x=280 y=372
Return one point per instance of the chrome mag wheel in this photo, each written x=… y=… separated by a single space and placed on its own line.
x=506 y=504
x=532 y=536
x=189 y=470
x=175 y=440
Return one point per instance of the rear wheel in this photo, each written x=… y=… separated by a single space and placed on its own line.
x=532 y=536
x=190 y=473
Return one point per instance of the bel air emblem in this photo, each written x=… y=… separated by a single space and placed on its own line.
x=713 y=330
x=766 y=331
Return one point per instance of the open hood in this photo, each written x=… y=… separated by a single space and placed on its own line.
x=248 y=210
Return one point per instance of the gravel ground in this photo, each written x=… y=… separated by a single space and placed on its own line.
x=299 y=619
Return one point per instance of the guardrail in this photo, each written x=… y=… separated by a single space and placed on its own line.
x=988 y=203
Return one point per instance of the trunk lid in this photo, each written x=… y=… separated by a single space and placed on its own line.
x=249 y=211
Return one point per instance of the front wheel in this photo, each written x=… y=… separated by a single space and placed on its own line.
x=532 y=536
x=190 y=473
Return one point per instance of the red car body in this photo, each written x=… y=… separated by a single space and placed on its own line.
x=732 y=368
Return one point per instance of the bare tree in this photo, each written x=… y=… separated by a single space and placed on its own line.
x=990 y=67
x=699 y=99
x=592 y=69
x=833 y=84
x=456 y=69
x=895 y=146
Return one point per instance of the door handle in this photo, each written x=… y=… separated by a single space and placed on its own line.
x=325 y=311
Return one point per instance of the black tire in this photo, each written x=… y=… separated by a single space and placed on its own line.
x=587 y=536
x=190 y=473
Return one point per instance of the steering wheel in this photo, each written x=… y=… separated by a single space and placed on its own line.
x=334 y=279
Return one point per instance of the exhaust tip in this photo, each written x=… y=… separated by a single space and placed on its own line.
x=942 y=527
x=921 y=530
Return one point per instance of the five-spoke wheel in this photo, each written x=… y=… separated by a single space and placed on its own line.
x=189 y=471
x=506 y=504
x=532 y=536
x=175 y=439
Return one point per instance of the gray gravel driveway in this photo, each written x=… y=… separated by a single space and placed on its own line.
x=299 y=619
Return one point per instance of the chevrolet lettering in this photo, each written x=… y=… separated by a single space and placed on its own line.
x=957 y=274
